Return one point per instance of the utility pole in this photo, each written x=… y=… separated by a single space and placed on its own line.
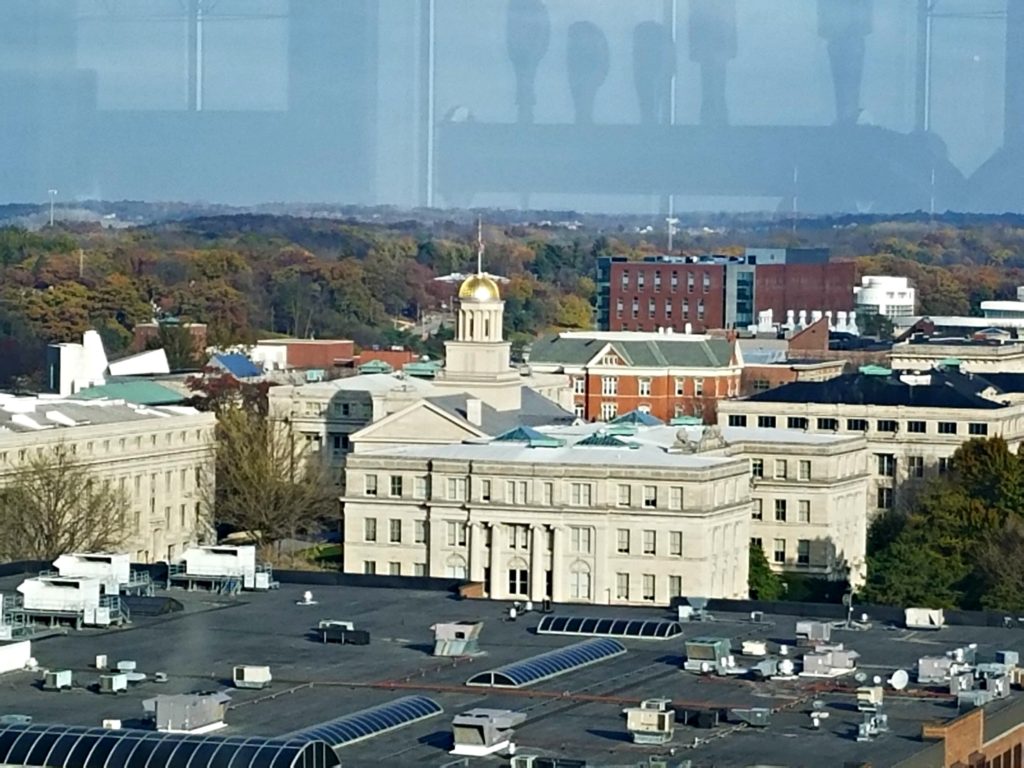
x=53 y=197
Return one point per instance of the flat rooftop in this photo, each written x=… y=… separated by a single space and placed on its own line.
x=577 y=715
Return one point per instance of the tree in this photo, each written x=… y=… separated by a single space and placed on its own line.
x=763 y=583
x=54 y=504
x=178 y=344
x=266 y=483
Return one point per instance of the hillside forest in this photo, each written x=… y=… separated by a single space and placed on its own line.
x=249 y=276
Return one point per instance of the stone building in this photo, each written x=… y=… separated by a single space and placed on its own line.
x=159 y=457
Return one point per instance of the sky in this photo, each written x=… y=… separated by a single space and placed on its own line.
x=597 y=105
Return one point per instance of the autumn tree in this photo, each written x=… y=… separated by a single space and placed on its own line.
x=268 y=483
x=52 y=504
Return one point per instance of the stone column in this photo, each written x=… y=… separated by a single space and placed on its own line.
x=558 y=568
x=538 y=544
x=435 y=543
x=496 y=589
x=477 y=538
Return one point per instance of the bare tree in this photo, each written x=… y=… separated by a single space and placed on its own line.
x=266 y=485
x=53 y=504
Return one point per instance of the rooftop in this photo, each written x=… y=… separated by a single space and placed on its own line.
x=138 y=391
x=620 y=444
x=638 y=349
x=34 y=414
x=535 y=410
x=372 y=383
x=574 y=715
x=939 y=388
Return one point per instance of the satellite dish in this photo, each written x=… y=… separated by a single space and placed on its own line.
x=899 y=680
x=876 y=680
x=860 y=677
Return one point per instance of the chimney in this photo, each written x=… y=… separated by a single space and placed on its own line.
x=474 y=411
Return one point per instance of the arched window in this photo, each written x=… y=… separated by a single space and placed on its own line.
x=579 y=581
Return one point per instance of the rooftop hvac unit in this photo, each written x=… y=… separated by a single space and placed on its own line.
x=112 y=570
x=251 y=677
x=189 y=713
x=13 y=719
x=542 y=761
x=934 y=669
x=57 y=680
x=812 y=632
x=481 y=732
x=924 y=618
x=459 y=638
x=115 y=683
x=707 y=655
x=758 y=717
x=653 y=722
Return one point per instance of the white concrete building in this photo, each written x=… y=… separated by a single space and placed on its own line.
x=913 y=422
x=625 y=513
x=157 y=456
x=890 y=297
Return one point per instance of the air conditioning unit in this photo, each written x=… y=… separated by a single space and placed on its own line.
x=115 y=683
x=57 y=680
x=251 y=677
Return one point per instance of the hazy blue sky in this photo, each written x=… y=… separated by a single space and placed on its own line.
x=308 y=100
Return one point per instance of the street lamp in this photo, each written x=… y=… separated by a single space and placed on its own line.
x=53 y=197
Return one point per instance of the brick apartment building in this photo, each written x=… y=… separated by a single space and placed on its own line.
x=664 y=374
x=693 y=294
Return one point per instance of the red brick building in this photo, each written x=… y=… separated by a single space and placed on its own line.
x=693 y=294
x=666 y=375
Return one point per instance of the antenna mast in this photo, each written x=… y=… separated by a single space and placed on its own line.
x=479 y=246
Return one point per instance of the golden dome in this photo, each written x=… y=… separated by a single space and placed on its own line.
x=479 y=288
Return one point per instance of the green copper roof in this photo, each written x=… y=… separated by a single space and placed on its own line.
x=375 y=366
x=605 y=440
x=875 y=370
x=138 y=392
x=649 y=353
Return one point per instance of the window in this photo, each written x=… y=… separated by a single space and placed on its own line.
x=674 y=281
x=686 y=308
x=828 y=424
x=181 y=516
x=580 y=411
x=886 y=464
x=420 y=487
x=757 y=543
x=675 y=497
x=796 y=422
x=580 y=540
x=624 y=493
x=640 y=277
x=780 y=510
x=700 y=309
x=680 y=387
x=515 y=491
x=650 y=497
x=917 y=427
x=579 y=385
x=579 y=494
x=648 y=587
x=668 y=309
x=636 y=308
x=370 y=485
x=518 y=536
x=625 y=279
x=761 y=385
x=781 y=469
x=395 y=531
x=457 y=488
x=339 y=445
x=886 y=425
x=609 y=411
x=766 y=422
x=419 y=569
x=758 y=510
x=652 y=309
x=518 y=581
x=857 y=425
x=419 y=532
x=622 y=541
x=548 y=494
x=675 y=586
x=675 y=543
x=779 y=551
x=689 y=282
x=485 y=490
x=706 y=282
x=803 y=511
x=698 y=387
x=650 y=542
x=947 y=427
x=803 y=552
x=370 y=529
x=885 y=498
x=645 y=387
x=657 y=280
x=396 y=485
x=804 y=469
x=369 y=567
x=977 y=429
x=737 y=420
x=945 y=465
x=609 y=386
x=622 y=586
x=456 y=534
x=757 y=467
x=394 y=569
x=579 y=585
x=915 y=466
